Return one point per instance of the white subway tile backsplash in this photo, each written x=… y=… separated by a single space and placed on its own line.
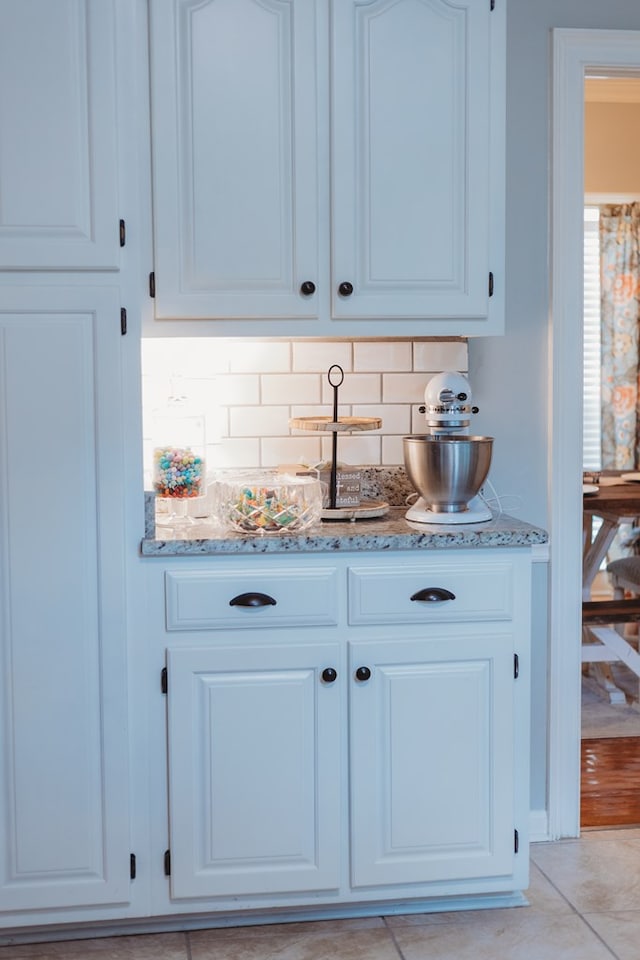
x=259 y=356
x=392 y=453
x=259 y=421
x=396 y=417
x=404 y=387
x=319 y=355
x=290 y=388
x=381 y=355
x=356 y=388
x=185 y=356
x=240 y=388
x=321 y=410
x=443 y=355
x=249 y=390
x=235 y=452
x=302 y=449
x=355 y=449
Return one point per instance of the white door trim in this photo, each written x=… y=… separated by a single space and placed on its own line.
x=576 y=53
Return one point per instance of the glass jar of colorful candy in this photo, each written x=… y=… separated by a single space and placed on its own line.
x=179 y=466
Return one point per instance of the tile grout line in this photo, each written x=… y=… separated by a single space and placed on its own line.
x=392 y=934
x=599 y=937
x=577 y=912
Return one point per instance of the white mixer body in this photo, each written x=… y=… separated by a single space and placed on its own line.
x=448 y=409
x=447 y=403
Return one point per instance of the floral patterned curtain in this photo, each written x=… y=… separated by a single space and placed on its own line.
x=620 y=294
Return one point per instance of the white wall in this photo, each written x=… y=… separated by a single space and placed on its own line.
x=608 y=170
x=510 y=375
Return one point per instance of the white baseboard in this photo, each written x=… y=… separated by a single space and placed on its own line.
x=538 y=826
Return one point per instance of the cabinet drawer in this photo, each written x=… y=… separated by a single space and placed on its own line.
x=246 y=598
x=419 y=593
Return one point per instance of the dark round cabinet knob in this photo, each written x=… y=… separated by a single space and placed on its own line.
x=362 y=674
x=329 y=675
x=307 y=288
x=345 y=289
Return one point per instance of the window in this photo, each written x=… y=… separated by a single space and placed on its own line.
x=591 y=447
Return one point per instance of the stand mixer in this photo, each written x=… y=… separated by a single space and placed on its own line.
x=446 y=466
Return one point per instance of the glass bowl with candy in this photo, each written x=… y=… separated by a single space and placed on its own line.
x=267 y=502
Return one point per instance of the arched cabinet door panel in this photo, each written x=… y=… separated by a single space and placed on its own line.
x=411 y=174
x=235 y=140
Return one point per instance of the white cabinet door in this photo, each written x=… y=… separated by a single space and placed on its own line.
x=432 y=759
x=330 y=142
x=235 y=144
x=63 y=682
x=254 y=769
x=411 y=129
x=58 y=153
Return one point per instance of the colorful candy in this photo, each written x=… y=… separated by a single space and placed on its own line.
x=262 y=509
x=177 y=472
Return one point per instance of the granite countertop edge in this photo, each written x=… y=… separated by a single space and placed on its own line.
x=387 y=533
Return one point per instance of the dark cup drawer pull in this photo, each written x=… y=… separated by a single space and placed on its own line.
x=252 y=600
x=433 y=595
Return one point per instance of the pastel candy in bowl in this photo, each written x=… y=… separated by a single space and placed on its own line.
x=268 y=502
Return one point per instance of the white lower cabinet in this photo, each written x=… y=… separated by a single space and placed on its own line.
x=431 y=747
x=352 y=761
x=254 y=769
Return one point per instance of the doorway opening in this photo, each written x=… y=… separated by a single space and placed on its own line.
x=577 y=55
x=610 y=708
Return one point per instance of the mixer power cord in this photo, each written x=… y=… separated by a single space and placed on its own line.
x=497 y=502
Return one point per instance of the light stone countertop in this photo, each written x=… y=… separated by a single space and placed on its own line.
x=390 y=532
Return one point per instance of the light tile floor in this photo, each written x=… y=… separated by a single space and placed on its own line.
x=584 y=905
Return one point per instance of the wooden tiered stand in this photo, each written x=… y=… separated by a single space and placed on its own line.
x=366 y=509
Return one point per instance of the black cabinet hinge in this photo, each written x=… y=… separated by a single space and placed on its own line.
x=164 y=683
x=123 y=321
x=132 y=866
x=516 y=666
x=516 y=841
x=490 y=284
x=152 y=284
x=167 y=863
x=492 y=5
x=123 y=233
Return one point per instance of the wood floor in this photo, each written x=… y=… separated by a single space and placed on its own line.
x=610 y=782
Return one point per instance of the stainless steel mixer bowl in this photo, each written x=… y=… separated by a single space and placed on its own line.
x=447 y=471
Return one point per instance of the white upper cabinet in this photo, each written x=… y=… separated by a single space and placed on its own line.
x=235 y=128
x=329 y=167
x=410 y=160
x=58 y=151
